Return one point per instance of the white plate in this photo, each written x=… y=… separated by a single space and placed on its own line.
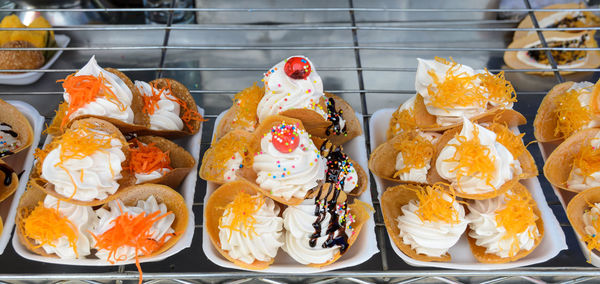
x=462 y=258
x=361 y=251
x=564 y=197
x=187 y=190
x=29 y=77
x=21 y=161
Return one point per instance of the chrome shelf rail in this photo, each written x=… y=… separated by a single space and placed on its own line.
x=363 y=50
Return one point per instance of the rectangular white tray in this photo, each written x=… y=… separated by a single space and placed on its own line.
x=462 y=258
x=364 y=247
x=29 y=77
x=565 y=197
x=22 y=161
x=187 y=190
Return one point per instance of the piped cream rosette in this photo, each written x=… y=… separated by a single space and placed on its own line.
x=424 y=221
x=293 y=88
x=574 y=164
x=481 y=162
x=448 y=91
x=85 y=164
x=54 y=228
x=16 y=133
x=567 y=108
x=558 y=19
x=565 y=59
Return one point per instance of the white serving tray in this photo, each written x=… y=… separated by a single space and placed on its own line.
x=29 y=77
x=462 y=258
x=22 y=161
x=187 y=190
x=361 y=251
x=565 y=197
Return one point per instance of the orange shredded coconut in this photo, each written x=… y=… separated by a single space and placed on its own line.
x=145 y=159
x=571 y=115
x=402 y=120
x=472 y=158
x=247 y=101
x=132 y=231
x=516 y=217
x=47 y=225
x=587 y=160
x=512 y=142
x=85 y=89
x=243 y=208
x=593 y=241
x=499 y=89
x=436 y=204
x=225 y=150
x=416 y=151
x=455 y=90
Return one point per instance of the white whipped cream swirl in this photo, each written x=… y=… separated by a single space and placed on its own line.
x=232 y=166
x=166 y=115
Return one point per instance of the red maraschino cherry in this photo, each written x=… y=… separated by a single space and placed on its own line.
x=285 y=138
x=297 y=67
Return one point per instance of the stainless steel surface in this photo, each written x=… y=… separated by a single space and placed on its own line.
x=364 y=50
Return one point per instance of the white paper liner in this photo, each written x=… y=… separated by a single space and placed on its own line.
x=186 y=189
x=363 y=248
x=22 y=161
x=29 y=77
x=564 y=197
x=462 y=258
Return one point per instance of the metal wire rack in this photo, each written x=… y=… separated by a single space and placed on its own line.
x=365 y=52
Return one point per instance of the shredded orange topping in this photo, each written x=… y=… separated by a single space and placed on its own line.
x=145 y=159
x=499 y=89
x=512 y=142
x=225 y=150
x=151 y=100
x=472 y=158
x=571 y=115
x=436 y=204
x=416 y=151
x=402 y=120
x=85 y=89
x=587 y=160
x=47 y=225
x=247 y=101
x=243 y=208
x=455 y=90
x=132 y=231
x=516 y=217
x=593 y=241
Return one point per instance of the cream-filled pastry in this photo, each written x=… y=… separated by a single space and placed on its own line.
x=415 y=151
x=585 y=172
x=148 y=162
x=340 y=169
x=250 y=228
x=161 y=106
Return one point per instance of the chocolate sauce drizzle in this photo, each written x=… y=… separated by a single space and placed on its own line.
x=10 y=132
x=569 y=56
x=335 y=116
x=336 y=225
x=336 y=162
x=8 y=172
x=568 y=23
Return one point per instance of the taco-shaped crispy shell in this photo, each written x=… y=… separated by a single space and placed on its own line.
x=427 y=122
x=163 y=194
x=479 y=252
x=546 y=118
x=529 y=169
x=141 y=120
x=9 y=181
x=248 y=173
x=592 y=59
x=560 y=162
x=29 y=200
x=213 y=211
x=244 y=106
x=19 y=123
x=579 y=205
x=313 y=122
x=179 y=91
x=37 y=181
x=211 y=168
x=392 y=201
x=361 y=212
x=545 y=20
x=182 y=161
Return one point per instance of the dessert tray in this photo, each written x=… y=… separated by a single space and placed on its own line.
x=462 y=258
x=187 y=190
x=362 y=250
